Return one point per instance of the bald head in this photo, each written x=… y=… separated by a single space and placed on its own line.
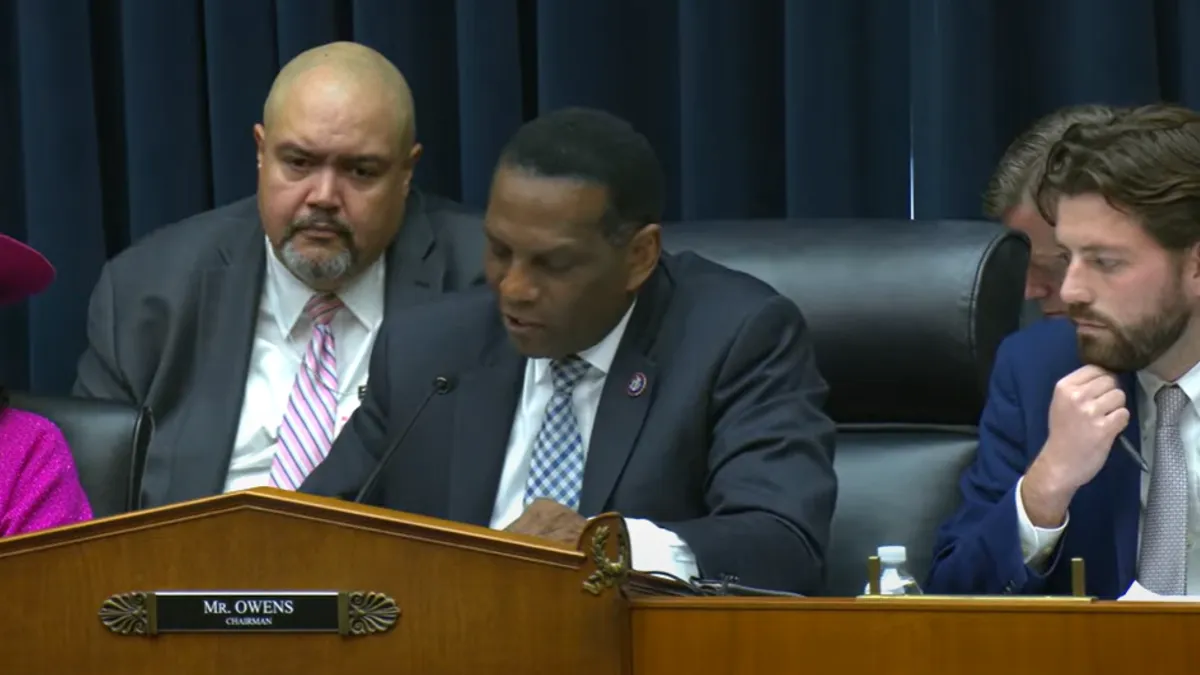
x=345 y=70
x=336 y=153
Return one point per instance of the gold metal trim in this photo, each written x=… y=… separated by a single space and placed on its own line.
x=874 y=571
x=359 y=613
x=369 y=612
x=127 y=614
x=608 y=572
x=343 y=611
x=1078 y=590
x=1078 y=578
x=967 y=599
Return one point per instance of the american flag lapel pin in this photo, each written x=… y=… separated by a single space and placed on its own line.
x=637 y=384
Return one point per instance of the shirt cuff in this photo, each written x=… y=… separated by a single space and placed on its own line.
x=1037 y=543
x=657 y=550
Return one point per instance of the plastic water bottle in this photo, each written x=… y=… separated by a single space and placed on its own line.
x=894 y=579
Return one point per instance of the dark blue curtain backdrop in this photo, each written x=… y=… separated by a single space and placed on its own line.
x=119 y=116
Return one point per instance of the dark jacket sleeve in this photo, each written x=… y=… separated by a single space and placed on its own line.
x=978 y=550
x=771 y=484
x=99 y=373
x=363 y=440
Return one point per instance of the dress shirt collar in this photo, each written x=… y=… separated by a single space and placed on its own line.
x=287 y=295
x=599 y=356
x=1189 y=383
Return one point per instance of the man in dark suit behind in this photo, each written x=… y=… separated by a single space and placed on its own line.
x=600 y=374
x=1009 y=199
x=248 y=329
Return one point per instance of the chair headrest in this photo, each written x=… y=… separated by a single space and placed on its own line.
x=108 y=440
x=906 y=316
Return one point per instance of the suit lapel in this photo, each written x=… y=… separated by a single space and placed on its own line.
x=415 y=270
x=623 y=407
x=228 y=302
x=1128 y=493
x=483 y=417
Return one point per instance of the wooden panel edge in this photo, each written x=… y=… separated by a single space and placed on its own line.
x=308 y=507
x=1004 y=605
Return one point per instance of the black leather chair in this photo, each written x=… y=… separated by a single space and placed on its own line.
x=108 y=441
x=906 y=317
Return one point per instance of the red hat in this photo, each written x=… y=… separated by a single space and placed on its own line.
x=23 y=271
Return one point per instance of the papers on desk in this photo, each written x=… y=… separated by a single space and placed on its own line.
x=1139 y=593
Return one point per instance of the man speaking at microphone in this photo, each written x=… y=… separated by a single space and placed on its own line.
x=600 y=374
x=1089 y=441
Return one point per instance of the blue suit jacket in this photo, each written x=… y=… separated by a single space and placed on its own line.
x=727 y=445
x=978 y=551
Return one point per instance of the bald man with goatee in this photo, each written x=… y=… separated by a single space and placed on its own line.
x=248 y=329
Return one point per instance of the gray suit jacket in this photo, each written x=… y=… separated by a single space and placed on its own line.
x=171 y=323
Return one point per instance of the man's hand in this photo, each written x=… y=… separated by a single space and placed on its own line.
x=548 y=519
x=1086 y=415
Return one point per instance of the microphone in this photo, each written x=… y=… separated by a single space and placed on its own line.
x=440 y=385
x=726 y=584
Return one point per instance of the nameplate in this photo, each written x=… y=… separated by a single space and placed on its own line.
x=351 y=613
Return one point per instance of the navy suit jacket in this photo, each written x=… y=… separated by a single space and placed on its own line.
x=978 y=551
x=728 y=445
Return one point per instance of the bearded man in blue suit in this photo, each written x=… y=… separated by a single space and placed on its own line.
x=1090 y=440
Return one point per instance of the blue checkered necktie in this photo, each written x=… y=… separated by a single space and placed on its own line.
x=556 y=471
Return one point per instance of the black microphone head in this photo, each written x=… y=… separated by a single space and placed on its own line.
x=440 y=385
x=443 y=385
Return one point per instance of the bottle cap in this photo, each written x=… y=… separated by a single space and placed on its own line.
x=892 y=555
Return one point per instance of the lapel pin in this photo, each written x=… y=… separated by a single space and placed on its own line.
x=637 y=384
x=362 y=392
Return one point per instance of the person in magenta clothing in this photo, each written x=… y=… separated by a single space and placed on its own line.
x=39 y=487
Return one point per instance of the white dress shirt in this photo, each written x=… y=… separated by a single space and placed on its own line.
x=281 y=336
x=1038 y=543
x=654 y=549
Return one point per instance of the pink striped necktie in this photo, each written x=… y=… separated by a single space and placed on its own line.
x=306 y=432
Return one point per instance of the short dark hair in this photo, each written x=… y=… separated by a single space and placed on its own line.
x=595 y=147
x=1019 y=171
x=1145 y=162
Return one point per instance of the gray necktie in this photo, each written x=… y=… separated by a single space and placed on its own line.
x=1162 y=565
